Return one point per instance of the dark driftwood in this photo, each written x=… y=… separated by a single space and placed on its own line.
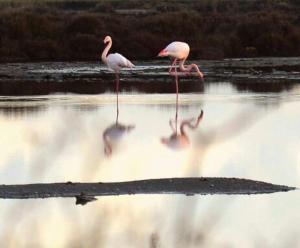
x=85 y=192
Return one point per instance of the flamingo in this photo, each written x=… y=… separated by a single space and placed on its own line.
x=179 y=51
x=115 y=62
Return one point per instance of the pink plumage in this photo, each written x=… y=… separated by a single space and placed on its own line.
x=176 y=49
x=180 y=51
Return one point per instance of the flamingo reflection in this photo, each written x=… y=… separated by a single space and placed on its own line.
x=114 y=133
x=178 y=141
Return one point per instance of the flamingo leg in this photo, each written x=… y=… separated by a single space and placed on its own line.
x=176 y=115
x=173 y=64
x=117 y=90
x=172 y=126
x=176 y=79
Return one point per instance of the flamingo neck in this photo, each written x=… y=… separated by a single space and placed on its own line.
x=107 y=145
x=182 y=131
x=189 y=68
x=182 y=66
x=105 y=51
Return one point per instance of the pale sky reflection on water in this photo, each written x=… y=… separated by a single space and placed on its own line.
x=245 y=135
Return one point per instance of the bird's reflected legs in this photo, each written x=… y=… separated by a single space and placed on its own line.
x=171 y=123
x=117 y=90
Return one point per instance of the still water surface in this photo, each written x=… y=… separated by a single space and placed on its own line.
x=62 y=138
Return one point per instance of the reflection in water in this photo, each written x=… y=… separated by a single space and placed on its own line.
x=181 y=140
x=240 y=122
x=187 y=210
x=261 y=86
x=114 y=133
x=59 y=144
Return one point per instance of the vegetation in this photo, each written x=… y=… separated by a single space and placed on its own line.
x=73 y=30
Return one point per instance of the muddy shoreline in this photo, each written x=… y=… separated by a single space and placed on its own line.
x=187 y=186
x=256 y=74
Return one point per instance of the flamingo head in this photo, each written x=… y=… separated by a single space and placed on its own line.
x=107 y=39
x=163 y=53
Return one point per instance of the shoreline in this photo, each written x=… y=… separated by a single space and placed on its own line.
x=86 y=192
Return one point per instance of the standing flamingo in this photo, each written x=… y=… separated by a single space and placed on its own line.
x=179 y=51
x=115 y=62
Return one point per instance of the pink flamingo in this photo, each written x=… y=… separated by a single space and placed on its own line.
x=179 y=51
x=115 y=62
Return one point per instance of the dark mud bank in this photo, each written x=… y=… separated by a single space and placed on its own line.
x=85 y=192
x=255 y=74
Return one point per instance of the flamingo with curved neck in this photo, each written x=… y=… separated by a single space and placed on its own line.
x=179 y=51
x=107 y=40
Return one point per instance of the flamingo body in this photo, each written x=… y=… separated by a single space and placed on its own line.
x=176 y=142
x=180 y=51
x=116 y=62
x=116 y=131
x=177 y=49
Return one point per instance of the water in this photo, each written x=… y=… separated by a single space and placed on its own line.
x=243 y=133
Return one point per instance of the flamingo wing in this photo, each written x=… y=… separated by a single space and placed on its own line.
x=178 y=49
x=117 y=61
